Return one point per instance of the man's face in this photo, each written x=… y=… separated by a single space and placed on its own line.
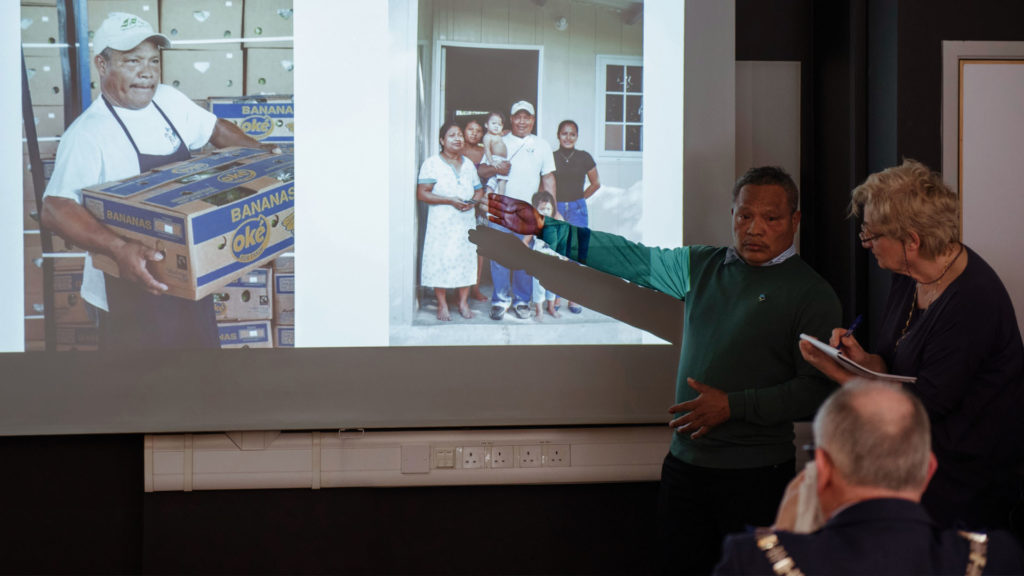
x=763 y=223
x=130 y=78
x=522 y=124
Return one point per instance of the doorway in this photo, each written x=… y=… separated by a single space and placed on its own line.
x=478 y=80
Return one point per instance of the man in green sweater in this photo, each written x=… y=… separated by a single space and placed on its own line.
x=741 y=379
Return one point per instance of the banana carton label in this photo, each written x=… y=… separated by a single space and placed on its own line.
x=267 y=119
x=249 y=297
x=245 y=334
x=284 y=336
x=284 y=298
x=212 y=226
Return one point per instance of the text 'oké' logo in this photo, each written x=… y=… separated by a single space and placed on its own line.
x=190 y=168
x=250 y=239
x=258 y=127
x=237 y=176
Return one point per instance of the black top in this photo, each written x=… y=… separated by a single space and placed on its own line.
x=571 y=167
x=965 y=350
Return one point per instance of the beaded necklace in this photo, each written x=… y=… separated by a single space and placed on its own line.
x=917 y=289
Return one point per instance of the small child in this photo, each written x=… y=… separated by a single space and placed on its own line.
x=544 y=203
x=494 y=146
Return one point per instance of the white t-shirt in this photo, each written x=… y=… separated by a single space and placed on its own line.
x=95 y=149
x=531 y=158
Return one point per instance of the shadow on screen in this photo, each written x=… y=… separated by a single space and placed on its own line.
x=640 y=307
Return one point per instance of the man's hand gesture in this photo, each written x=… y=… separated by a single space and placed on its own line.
x=703 y=413
x=516 y=215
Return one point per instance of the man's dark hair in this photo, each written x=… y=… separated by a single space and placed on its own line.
x=769 y=176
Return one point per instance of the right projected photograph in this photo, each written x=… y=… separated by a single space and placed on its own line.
x=544 y=103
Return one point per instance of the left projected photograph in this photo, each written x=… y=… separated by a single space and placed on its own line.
x=161 y=213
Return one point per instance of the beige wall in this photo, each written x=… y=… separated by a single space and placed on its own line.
x=568 y=74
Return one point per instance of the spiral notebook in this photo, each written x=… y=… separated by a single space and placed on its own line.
x=853 y=366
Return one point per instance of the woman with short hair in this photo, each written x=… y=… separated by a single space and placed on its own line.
x=950 y=323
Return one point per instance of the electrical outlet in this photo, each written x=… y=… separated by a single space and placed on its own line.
x=529 y=456
x=503 y=456
x=556 y=455
x=475 y=456
x=444 y=457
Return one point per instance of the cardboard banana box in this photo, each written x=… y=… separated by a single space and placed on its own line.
x=251 y=334
x=249 y=297
x=264 y=118
x=214 y=217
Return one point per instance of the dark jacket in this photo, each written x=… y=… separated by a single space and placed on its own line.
x=881 y=536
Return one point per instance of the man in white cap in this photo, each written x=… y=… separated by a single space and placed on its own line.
x=135 y=126
x=532 y=168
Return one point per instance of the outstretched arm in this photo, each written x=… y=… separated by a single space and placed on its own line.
x=516 y=215
x=665 y=270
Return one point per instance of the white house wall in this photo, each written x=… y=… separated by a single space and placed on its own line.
x=568 y=83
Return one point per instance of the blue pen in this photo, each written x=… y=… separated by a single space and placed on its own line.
x=849 y=331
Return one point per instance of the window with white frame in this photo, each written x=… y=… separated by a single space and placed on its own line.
x=620 y=110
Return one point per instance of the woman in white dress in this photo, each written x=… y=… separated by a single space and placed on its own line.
x=448 y=183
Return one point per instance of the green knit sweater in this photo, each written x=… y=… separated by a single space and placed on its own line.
x=740 y=333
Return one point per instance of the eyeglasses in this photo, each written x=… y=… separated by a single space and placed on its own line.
x=866 y=237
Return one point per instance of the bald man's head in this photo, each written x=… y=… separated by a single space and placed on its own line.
x=877 y=435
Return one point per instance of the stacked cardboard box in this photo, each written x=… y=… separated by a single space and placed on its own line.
x=284 y=301
x=244 y=309
x=264 y=118
x=250 y=297
x=200 y=69
x=77 y=337
x=76 y=330
x=40 y=31
x=200 y=73
x=268 y=65
x=269 y=71
x=268 y=19
x=250 y=334
x=30 y=215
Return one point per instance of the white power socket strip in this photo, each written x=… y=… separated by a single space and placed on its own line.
x=239 y=460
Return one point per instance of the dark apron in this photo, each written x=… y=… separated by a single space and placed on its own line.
x=138 y=320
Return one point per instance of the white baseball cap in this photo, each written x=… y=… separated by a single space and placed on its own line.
x=522 y=105
x=123 y=31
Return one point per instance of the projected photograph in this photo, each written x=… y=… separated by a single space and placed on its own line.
x=544 y=101
x=211 y=216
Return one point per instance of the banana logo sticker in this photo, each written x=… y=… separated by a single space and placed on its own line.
x=250 y=239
